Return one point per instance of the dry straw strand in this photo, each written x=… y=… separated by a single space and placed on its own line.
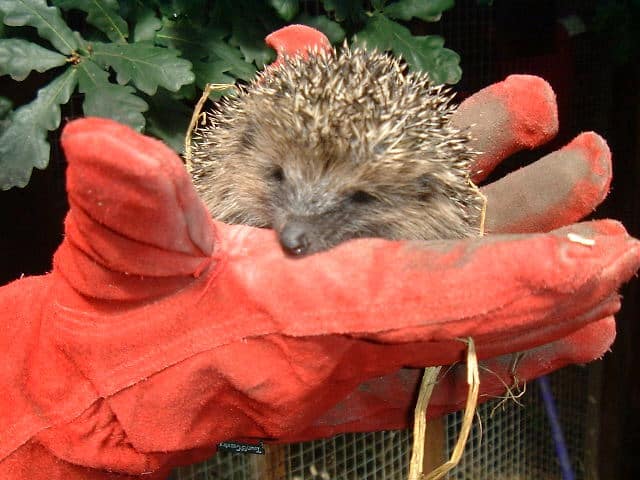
x=426 y=389
x=209 y=87
x=473 y=379
x=429 y=380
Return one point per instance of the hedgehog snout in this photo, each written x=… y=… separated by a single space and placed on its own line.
x=295 y=236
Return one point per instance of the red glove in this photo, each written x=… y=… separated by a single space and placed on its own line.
x=160 y=333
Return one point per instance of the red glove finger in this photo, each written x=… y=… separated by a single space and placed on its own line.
x=559 y=189
x=148 y=222
x=519 y=112
x=296 y=40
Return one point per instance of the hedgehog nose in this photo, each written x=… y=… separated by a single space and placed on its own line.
x=294 y=239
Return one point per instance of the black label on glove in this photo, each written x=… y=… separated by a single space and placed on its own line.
x=239 y=447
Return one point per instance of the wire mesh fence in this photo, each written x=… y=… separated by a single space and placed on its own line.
x=509 y=441
x=512 y=441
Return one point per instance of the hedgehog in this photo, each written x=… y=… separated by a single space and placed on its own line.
x=337 y=146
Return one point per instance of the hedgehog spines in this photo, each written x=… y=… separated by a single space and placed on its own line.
x=355 y=113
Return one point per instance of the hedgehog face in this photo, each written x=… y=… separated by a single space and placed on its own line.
x=315 y=214
x=317 y=203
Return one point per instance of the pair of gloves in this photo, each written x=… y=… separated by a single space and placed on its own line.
x=161 y=332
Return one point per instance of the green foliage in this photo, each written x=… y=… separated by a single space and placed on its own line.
x=168 y=119
x=333 y=30
x=19 y=57
x=138 y=67
x=287 y=9
x=422 y=53
x=47 y=20
x=25 y=138
x=346 y=11
x=206 y=45
x=102 y=14
x=144 y=64
x=5 y=108
x=146 y=26
x=428 y=10
x=141 y=62
x=123 y=105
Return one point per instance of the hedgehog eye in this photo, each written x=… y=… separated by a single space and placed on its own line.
x=361 y=197
x=277 y=174
x=425 y=182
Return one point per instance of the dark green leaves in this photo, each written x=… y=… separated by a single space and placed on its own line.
x=23 y=141
x=104 y=99
x=231 y=57
x=45 y=19
x=345 y=10
x=287 y=9
x=183 y=9
x=23 y=136
x=23 y=144
x=248 y=30
x=428 y=10
x=19 y=57
x=251 y=44
x=334 y=32
x=424 y=53
x=207 y=50
x=102 y=14
x=146 y=65
x=168 y=119
x=5 y=107
x=5 y=110
x=146 y=26
x=212 y=72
